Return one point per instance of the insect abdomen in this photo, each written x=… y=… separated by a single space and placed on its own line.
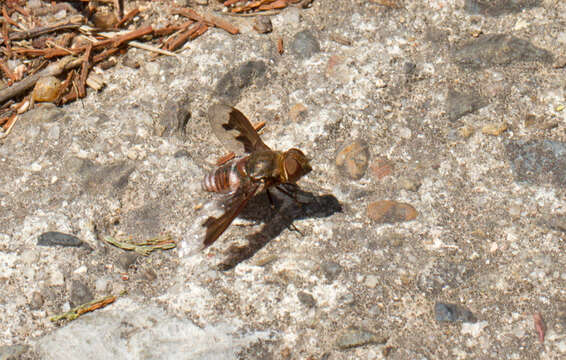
x=227 y=178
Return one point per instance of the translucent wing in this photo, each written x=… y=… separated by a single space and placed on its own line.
x=234 y=130
x=216 y=226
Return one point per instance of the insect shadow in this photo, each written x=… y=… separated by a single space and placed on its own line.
x=279 y=217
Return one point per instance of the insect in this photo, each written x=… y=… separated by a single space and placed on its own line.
x=243 y=177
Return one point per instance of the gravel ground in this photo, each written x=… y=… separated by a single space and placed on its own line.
x=436 y=223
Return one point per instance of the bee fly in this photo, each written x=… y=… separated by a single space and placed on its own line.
x=243 y=177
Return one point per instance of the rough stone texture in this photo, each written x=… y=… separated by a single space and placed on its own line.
x=485 y=238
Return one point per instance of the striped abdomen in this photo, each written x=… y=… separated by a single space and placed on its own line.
x=227 y=178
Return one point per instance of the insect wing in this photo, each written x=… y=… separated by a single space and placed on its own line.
x=216 y=226
x=234 y=130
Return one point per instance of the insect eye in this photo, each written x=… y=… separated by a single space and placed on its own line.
x=291 y=166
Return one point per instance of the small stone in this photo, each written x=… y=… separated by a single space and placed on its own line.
x=353 y=337
x=126 y=260
x=409 y=68
x=452 y=313
x=104 y=19
x=181 y=153
x=371 y=281
x=306 y=299
x=347 y=299
x=268 y=259
x=36 y=301
x=352 y=159
x=305 y=45
x=380 y=83
x=331 y=269
x=461 y=104
x=466 y=131
x=494 y=129
x=381 y=168
x=80 y=293
x=389 y=212
x=46 y=89
x=298 y=112
x=560 y=62
x=530 y=120
x=262 y=24
x=54 y=238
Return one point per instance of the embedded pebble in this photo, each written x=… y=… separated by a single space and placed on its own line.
x=46 y=89
x=80 y=293
x=352 y=159
x=494 y=129
x=353 y=337
x=305 y=44
x=331 y=269
x=371 y=281
x=306 y=299
x=262 y=24
x=297 y=112
x=36 y=301
x=126 y=260
x=389 y=211
x=452 y=313
x=381 y=168
x=54 y=238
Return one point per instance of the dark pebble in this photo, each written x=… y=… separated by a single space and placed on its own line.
x=181 y=153
x=409 y=68
x=305 y=45
x=262 y=24
x=54 y=238
x=452 y=313
x=36 y=301
x=306 y=299
x=331 y=269
x=459 y=104
x=498 y=50
x=498 y=7
x=126 y=260
x=80 y=293
x=537 y=162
